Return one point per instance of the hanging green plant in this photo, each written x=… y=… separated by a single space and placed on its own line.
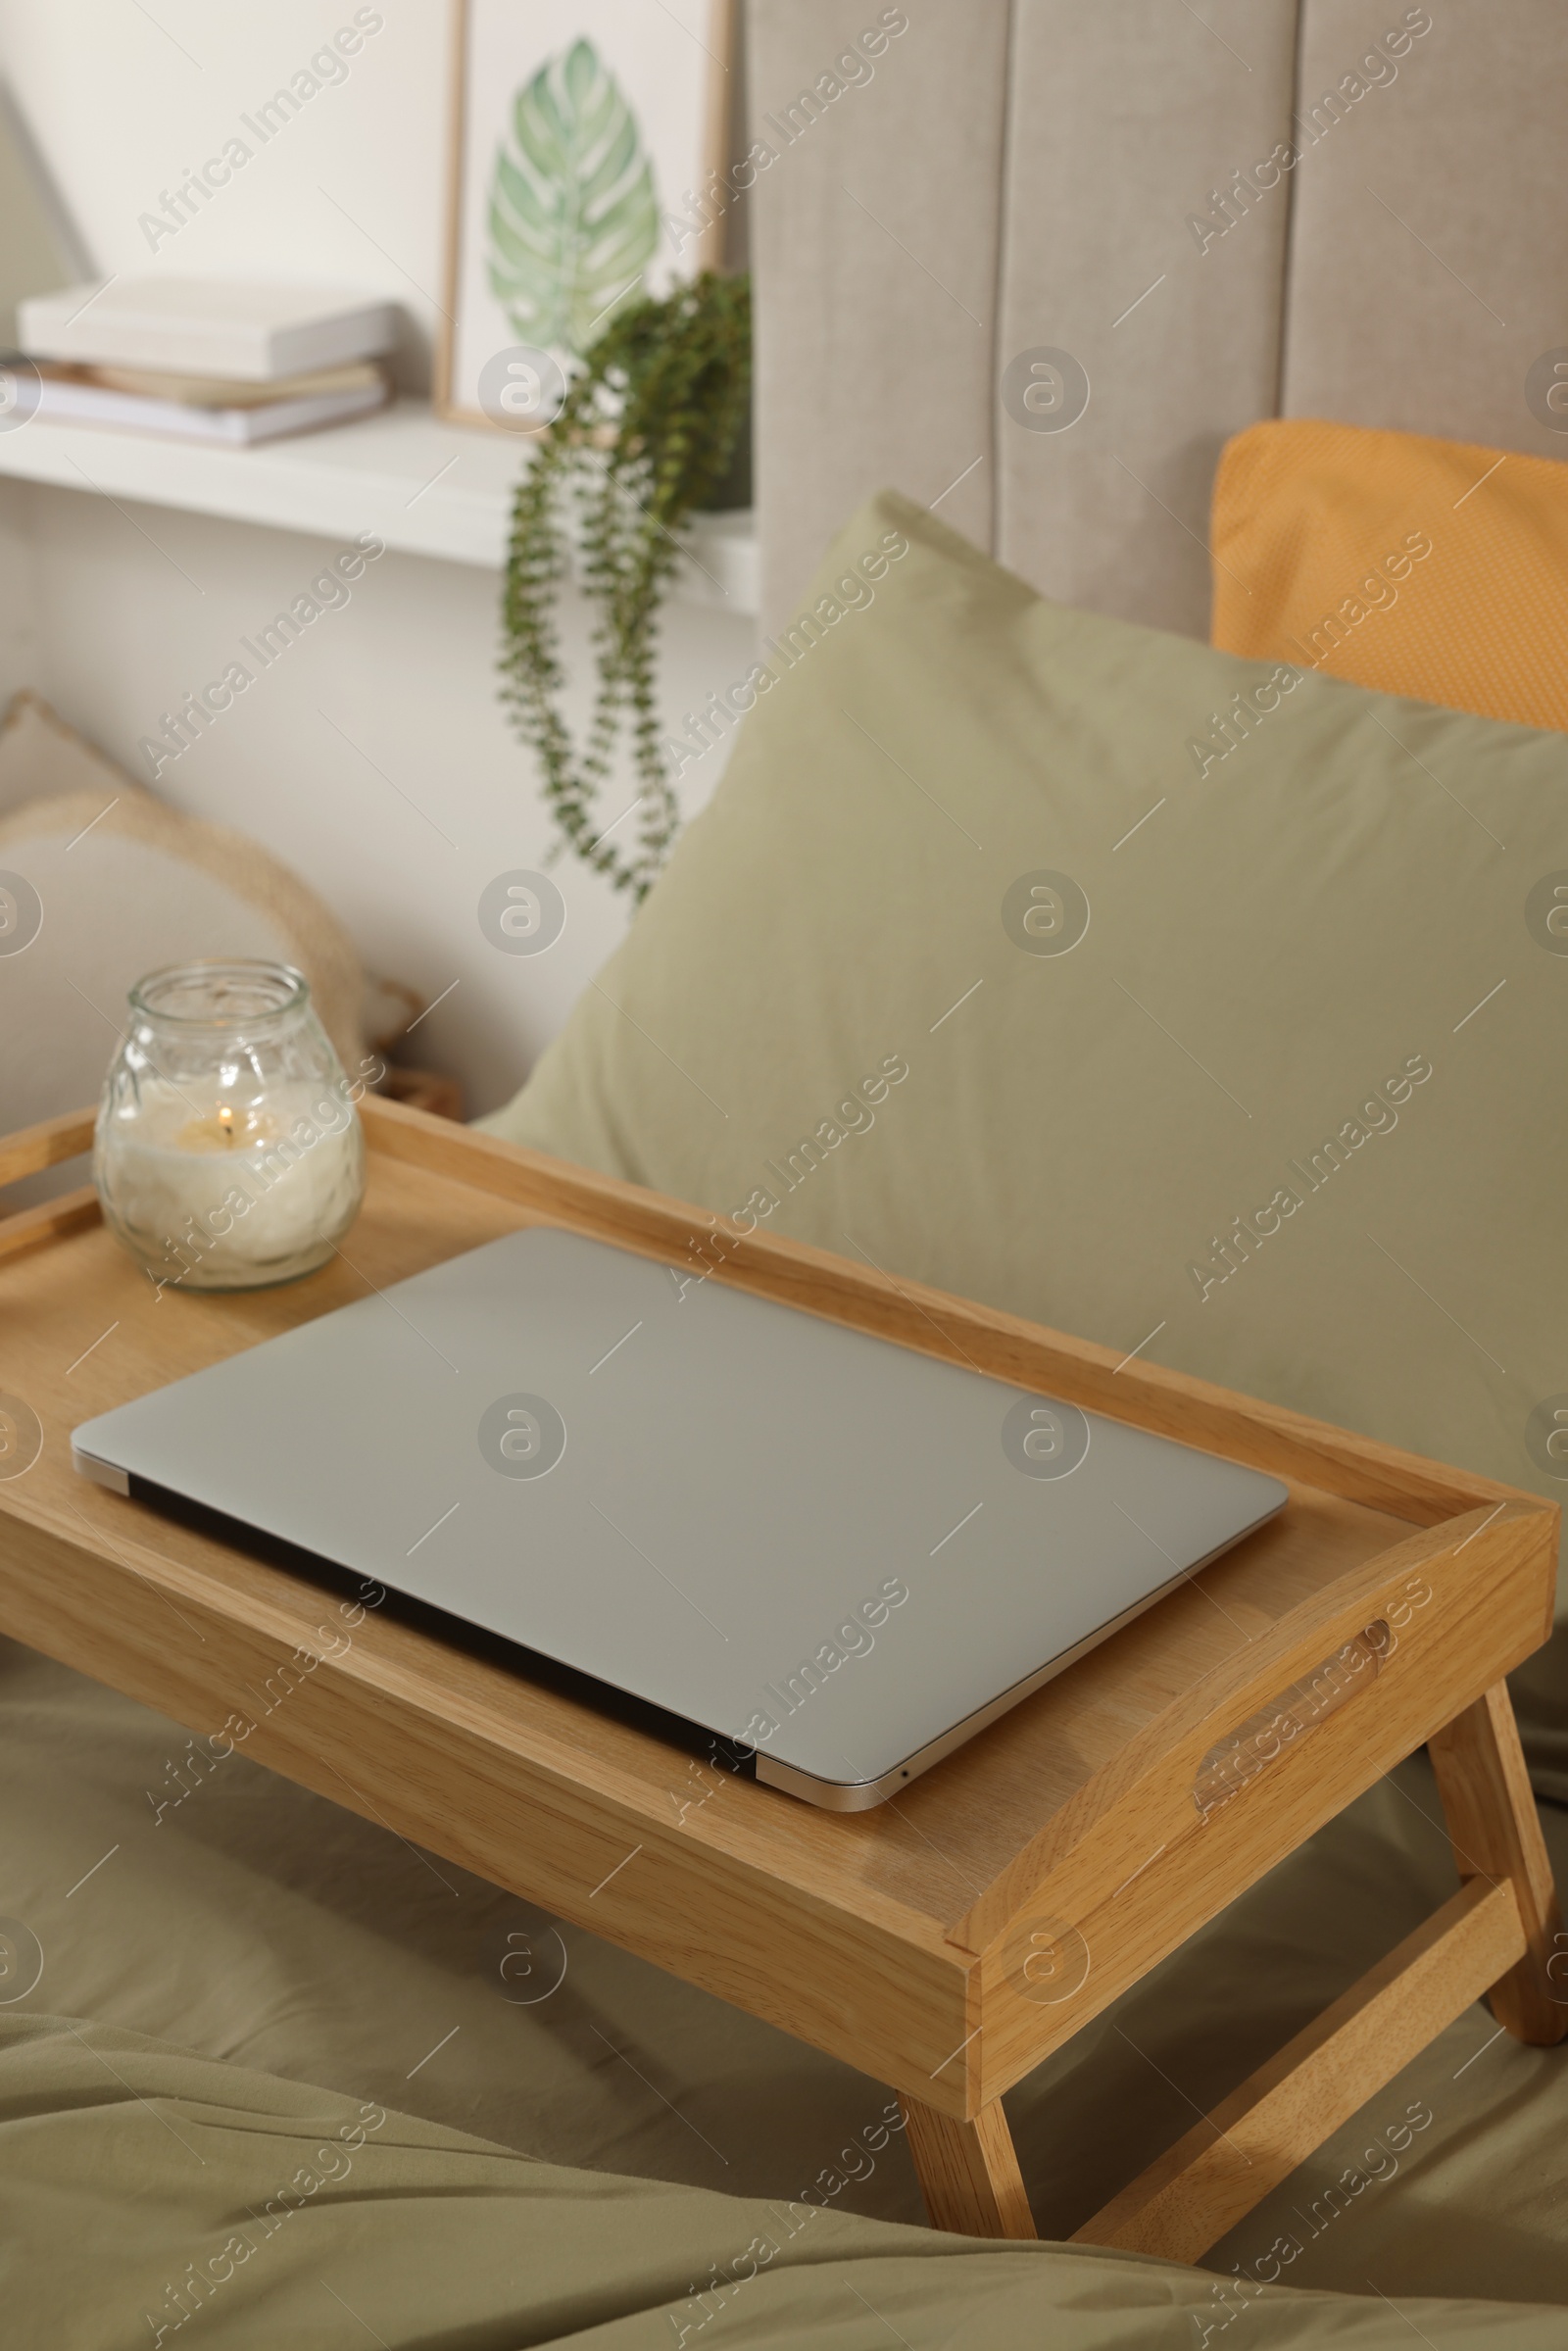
x=645 y=437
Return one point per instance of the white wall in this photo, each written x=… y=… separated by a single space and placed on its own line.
x=351 y=191
x=123 y=101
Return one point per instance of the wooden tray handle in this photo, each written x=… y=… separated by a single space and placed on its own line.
x=32 y=1149
x=28 y=1152
x=1291 y=1715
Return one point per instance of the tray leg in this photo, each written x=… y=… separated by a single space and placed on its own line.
x=1496 y=1832
x=968 y=2172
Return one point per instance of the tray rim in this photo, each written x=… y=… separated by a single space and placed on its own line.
x=914 y=1314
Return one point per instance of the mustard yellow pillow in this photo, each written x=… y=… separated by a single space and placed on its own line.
x=1429 y=568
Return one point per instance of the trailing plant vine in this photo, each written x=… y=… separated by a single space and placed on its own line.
x=645 y=436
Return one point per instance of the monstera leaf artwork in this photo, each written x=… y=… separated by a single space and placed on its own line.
x=572 y=217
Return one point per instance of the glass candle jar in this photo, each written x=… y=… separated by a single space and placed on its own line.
x=228 y=1154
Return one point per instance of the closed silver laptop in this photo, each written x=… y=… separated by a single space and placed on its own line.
x=838 y=1558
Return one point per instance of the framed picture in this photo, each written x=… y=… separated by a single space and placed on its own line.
x=584 y=133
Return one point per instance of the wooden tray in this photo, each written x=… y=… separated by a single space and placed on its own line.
x=949 y=1940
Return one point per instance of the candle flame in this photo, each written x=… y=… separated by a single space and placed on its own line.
x=225 y=1119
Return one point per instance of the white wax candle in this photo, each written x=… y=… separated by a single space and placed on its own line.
x=218 y=1194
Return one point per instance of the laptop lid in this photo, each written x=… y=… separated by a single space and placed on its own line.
x=799 y=1539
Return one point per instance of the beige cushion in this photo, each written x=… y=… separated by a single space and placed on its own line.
x=1318 y=939
x=41 y=757
x=127 y=885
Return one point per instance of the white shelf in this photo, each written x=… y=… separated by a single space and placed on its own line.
x=424 y=487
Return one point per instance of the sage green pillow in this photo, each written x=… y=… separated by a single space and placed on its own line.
x=1184 y=1003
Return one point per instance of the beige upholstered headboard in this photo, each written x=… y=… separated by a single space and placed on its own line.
x=1107 y=178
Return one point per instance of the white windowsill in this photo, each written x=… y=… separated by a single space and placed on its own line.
x=423 y=486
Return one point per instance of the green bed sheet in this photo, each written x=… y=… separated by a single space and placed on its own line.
x=153 y=2196
x=249 y=1921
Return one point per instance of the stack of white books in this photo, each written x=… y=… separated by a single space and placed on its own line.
x=202 y=359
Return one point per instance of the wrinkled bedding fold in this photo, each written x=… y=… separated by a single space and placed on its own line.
x=146 y=2189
